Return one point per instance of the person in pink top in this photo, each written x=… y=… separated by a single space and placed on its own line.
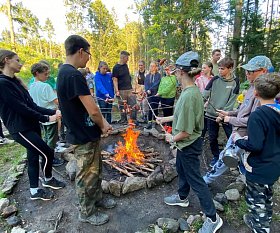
x=201 y=82
x=205 y=76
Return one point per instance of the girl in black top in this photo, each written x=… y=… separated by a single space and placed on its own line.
x=21 y=116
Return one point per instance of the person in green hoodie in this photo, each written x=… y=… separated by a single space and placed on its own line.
x=220 y=93
x=167 y=92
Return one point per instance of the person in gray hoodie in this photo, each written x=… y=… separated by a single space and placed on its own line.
x=221 y=93
x=238 y=119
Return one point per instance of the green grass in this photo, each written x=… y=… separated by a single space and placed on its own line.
x=11 y=156
x=234 y=211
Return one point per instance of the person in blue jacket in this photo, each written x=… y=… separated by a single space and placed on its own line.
x=104 y=90
x=152 y=81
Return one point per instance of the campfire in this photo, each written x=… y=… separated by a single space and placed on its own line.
x=129 y=159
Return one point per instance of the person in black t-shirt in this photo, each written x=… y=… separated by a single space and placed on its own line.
x=85 y=124
x=123 y=87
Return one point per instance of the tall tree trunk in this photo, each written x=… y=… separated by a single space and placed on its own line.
x=10 y=18
x=269 y=30
x=244 y=46
x=236 y=32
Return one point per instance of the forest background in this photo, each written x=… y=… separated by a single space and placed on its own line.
x=242 y=29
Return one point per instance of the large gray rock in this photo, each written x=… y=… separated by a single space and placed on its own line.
x=4 y=202
x=18 y=230
x=221 y=198
x=133 y=183
x=169 y=173
x=158 y=229
x=8 y=184
x=240 y=186
x=105 y=186
x=115 y=187
x=219 y=206
x=183 y=224
x=13 y=221
x=232 y=194
x=8 y=211
x=155 y=178
x=171 y=225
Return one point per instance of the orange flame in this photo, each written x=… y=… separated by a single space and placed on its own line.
x=129 y=152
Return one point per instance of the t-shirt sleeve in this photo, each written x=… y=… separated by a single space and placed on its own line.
x=186 y=117
x=49 y=93
x=79 y=87
x=115 y=73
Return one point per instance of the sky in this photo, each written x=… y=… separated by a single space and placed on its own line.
x=55 y=10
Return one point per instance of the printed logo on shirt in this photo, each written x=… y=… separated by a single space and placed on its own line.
x=88 y=121
x=229 y=87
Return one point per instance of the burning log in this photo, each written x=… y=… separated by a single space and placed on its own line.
x=118 y=168
x=151 y=154
x=153 y=160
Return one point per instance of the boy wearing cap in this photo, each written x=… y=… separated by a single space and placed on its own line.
x=238 y=119
x=187 y=126
x=263 y=163
x=123 y=86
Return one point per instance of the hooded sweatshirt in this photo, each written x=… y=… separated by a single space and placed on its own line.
x=221 y=94
x=239 y=118
x=17 y=109
x=264 y=145
x=104 y=85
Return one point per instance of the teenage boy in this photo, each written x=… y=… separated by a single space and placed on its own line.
x=44 y=96
x=263 y=163
x=84 y=129
x=216 y=56
x=123 y=86
x=238 y=119
x=221 y=93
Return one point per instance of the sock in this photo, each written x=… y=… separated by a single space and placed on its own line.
x=48 y=179
x=213 y=218
x=33 y=190
x=182 y=198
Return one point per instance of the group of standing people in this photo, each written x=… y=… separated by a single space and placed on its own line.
x=201 y=89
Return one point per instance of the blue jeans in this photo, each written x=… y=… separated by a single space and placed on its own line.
x=106 y=109
x=219 y=167
x=188 y=168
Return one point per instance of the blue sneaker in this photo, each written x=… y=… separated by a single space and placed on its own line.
x=176 y=200
x=211 y=227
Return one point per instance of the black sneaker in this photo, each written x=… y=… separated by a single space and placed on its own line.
x=42 y=194
x=54 y=184
x=57 y=162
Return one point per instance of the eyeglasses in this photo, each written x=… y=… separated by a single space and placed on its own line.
x=87 y=52
x=252 y=71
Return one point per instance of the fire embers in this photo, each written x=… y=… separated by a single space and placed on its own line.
x=129 y=151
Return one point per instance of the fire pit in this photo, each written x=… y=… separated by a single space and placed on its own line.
x=132 y=161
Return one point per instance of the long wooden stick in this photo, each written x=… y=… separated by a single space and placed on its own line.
x=119 y=169
x=130 y=166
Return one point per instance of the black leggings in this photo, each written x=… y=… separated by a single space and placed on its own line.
x=35 y=146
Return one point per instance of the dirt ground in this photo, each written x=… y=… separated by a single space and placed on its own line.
x=134 y=211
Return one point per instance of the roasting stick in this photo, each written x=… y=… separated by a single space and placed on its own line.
x=172 y=144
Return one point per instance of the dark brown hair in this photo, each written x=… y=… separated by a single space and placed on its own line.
x=38 y=67
x=4 y=53
x=215 y=50
x=226 y=62
x=268 y=85
x=74 y=43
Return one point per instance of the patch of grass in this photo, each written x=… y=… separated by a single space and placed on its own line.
x=11 y=155
x=234 y=211
x=196 y=225
x=2 y=195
